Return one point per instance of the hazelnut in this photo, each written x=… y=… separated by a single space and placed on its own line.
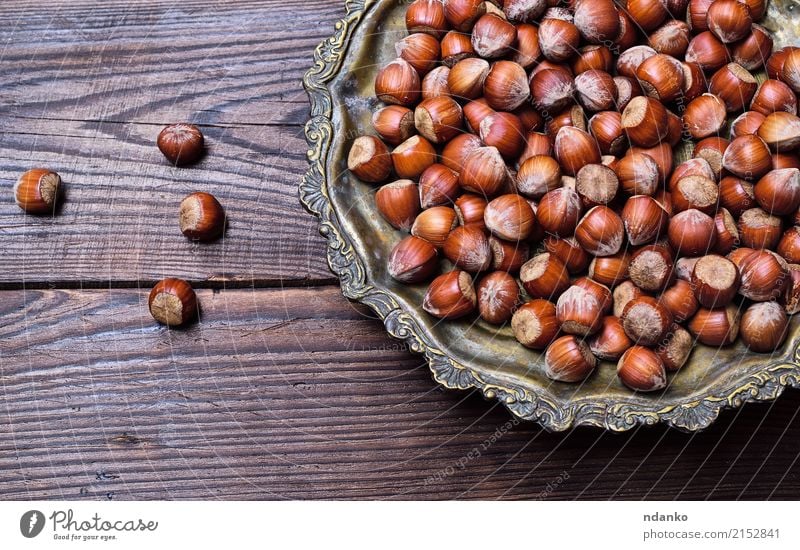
x=694 y=81
x=627 y=89
x=764 y=327
x=558 y=39
x=712 y=150
x=696 y=14
x=638 y=174
x=600 y=232
x=641 y=369
x=534 y=324
x=438 y=119
x=593 y=57
x=734 y=85
x=454 y=47
x=747 y=123
x=675 y=348
x=778 y=192
x=544 y=276
x=698 y=192
x=435 y=224
x=559 y=211
x=680 y=300
x=790 y=73
x=181 y=143
x=575 y=258
x=538 y=175
x=369 y=159
x=398 y=83
x=468 y=248
x=651 y=267
x=426 y=16
x=435 y=83
x=596 y=89
x=450 y=296
x=624 y=293
x=661 y=77
x=597 y=20
x=457 y=149
x=754 y=50
x=775 y=62
x=462 y=14
x=524 y=11
x=726 y=231
x=467 y=76
x=469 y=209
x=773 y=96
x=498 y=297
x=611 y=341
x=632 y=58
x=691 y=232
x=509 y=217
x=551 y=90
x=646 y=320
x=736 y=195
x=715 y=280
x=412 y=260
x=394 y=123
x=506 y=86
x=503 y=131
x=671 y=38
x=412 y=157
x=707 y=51
x=729 y=20
x=789 y=245
x=596 y=184
x=644 y=219
x=763 y=276
x=508 y=256
x=606 y=128
x=610 y=270
x=475 y=112
x=572 y=116
x=759 y=229
x=647 y=14
x=398 y=203
x=37 y=191
x=781 y=131
x=644 y=121
x=705 y=116
x=201 y=217
x=574 y=149
x=536 y=144
x=493 y=36
x=484 y=171
x=438 y=186
x=172 y=302
x=527 y=52
x=530 y=118
x=627 y=36
x=747 y=157
x=569 y=359
x=422 y=51
x=690 y=167
x=579 y=311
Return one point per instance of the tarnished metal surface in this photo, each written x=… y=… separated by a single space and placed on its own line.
x=473 y=354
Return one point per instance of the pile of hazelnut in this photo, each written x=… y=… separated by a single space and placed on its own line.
x=531 y=142
x=201 y=217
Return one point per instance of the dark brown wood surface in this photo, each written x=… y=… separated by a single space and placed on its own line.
x=283 y=389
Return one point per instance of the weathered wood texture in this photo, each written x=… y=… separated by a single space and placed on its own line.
x=277 y=392
x=85 y=89
x=296 y=394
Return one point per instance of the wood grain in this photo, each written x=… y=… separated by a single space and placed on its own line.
x=85 y=89
x=296 y=393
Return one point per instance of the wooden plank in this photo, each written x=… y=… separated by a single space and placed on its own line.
x=85 y=88
x=295 y=393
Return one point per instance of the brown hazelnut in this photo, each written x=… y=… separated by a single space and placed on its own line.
x=172 y=302
x=544 y=276
x=646 y=320
x=412 y=157
x=201 y=217
x=569 y=359
x=450 y=296
x=394 y=123
x=715 y=280
x=498 y=297
x=652 y=267
x=534 y=324
x=369 y=159
x=37 y=191
x=641 y=369
x=412 y=260
x=181 y=143
x=398 y=83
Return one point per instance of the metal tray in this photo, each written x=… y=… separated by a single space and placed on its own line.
x=472 y=354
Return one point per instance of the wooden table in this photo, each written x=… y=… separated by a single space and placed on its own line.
x=284 y=390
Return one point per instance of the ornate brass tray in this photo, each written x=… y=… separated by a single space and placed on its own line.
x=471 y=354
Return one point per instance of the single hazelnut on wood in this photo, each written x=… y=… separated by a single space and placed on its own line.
x=173 y=302
x=37 y=191
x=201 y=217
x=181 y=143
